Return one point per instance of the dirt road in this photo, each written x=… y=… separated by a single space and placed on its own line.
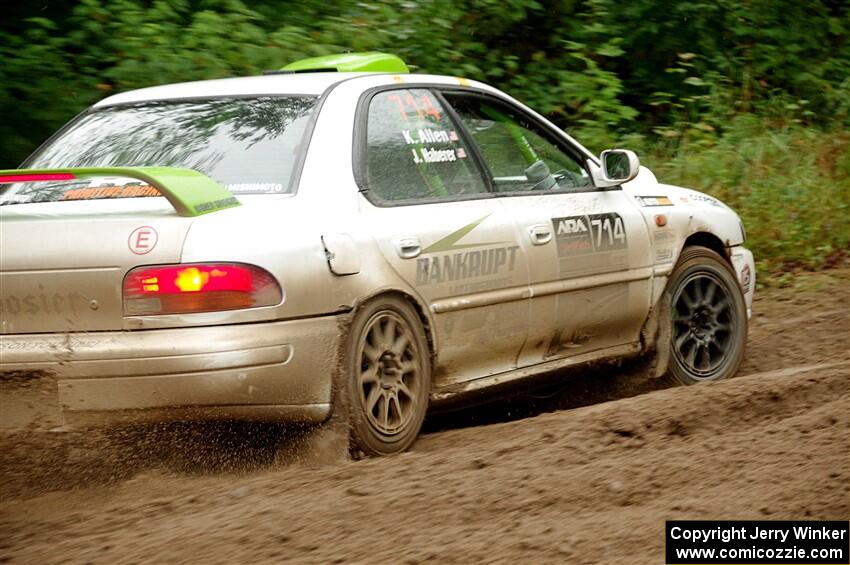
x=584 y=474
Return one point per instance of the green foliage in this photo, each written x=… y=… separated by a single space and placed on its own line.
x=790 y=185
x=601 y=67
x=748 y=100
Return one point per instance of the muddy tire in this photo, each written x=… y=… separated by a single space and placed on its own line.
x=388 y=376
x=708 y=321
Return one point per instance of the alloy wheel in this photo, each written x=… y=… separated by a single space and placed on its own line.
x=390 y=373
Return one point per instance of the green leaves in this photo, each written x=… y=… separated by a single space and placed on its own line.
x=600 y=68
x=790 y=185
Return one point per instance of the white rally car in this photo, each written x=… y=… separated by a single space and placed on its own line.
x=346 y=236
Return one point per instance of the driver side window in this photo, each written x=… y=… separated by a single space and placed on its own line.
x=520 y=154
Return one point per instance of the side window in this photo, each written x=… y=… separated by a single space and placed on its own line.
x=414 y=151
x=520 y=154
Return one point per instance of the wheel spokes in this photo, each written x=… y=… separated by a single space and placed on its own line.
x=397 y=406
x=704 y=356
x=682 y=339
x=692 y=354
x=702 y=324
x=679 y=317
x=720 y=307
x=690 y=303
x=369 y=376
x=384 y=414
x=408 y=367
x=389 y=369
x=400 y=344
x=389 y=334
x=711 y=288
x=372 y=400
x=404 y=389
x=371 y=353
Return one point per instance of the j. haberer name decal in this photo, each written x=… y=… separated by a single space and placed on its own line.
x=465 y=265
x=426 y=155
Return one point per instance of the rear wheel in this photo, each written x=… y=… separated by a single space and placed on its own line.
x=388 y=378
x=708 y=319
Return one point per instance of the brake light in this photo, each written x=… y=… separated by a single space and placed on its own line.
x=35 y=177
x=207 y=287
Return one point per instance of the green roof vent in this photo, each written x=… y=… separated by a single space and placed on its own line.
x=371 y=62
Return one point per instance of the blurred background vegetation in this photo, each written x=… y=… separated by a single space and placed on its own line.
x=748 y=100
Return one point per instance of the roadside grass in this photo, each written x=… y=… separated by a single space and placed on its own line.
x=790 y=184
x=832 y=280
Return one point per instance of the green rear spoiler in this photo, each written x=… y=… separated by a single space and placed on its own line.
x=372 y=62
x=190 y=192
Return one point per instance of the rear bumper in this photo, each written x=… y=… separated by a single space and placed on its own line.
x=277 y=371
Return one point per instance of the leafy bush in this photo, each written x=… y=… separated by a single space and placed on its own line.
x=790 y=185
x=749 y=101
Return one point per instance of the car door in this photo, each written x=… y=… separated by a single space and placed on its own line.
x=440 y=227
x=588 y=249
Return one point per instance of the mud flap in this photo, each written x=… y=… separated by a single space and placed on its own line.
x=327 y=443
x=655 y=335
x=662 y=335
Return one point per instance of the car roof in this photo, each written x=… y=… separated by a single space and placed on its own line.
x=299 y=84
x=309 y=84
x=305 y=84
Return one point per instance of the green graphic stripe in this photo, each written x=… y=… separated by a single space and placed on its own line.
x=449 y=243
x=190 y=192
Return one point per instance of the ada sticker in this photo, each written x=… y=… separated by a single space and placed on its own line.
x=594 y=233
x=591 y=244
x=142 y=240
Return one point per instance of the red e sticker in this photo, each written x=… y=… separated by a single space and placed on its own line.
x=142 y=240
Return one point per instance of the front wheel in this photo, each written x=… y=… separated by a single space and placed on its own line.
x=708 y=319
x=388 y=378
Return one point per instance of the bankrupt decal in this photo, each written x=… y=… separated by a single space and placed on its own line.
x=447 y=263
x=465 y=265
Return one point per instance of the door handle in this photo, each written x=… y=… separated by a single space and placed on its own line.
x=408 y=247
x=540 y=234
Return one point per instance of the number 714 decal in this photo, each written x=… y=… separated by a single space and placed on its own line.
x=592 y=233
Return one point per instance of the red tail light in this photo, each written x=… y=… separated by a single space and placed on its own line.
x=207 y=287
x=37 y=177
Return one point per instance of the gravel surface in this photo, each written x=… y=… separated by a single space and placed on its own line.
x=583 y=472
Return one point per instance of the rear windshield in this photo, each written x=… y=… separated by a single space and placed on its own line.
x=248 y=145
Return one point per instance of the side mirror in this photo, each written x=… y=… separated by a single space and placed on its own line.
x=619 y=166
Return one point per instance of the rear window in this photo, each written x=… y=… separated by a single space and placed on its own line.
x=251 y=146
